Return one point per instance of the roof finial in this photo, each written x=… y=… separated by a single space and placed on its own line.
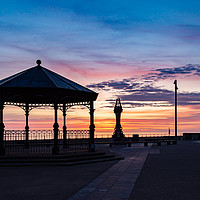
x=38 y=62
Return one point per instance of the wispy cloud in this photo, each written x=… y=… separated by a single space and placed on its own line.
x=144 y=92
x=88 y=33
x=188 y=70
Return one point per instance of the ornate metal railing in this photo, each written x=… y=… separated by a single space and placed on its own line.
x=41 y=141
x=141 y=135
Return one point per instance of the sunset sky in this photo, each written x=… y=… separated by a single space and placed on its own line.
x=131 y=49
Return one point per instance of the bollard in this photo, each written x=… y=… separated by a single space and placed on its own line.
x=168 y=142
x=146 y=144
x=129 y=144
x=110 y=145
x=174 y=142
x=159 y=143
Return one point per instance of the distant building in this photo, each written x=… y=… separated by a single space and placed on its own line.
x=191 y=136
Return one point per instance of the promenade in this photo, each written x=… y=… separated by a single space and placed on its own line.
x=151 y=173
x=170 y=172
x=118 y=181
x=174 y=174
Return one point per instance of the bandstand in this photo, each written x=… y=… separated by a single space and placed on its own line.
x=39 y=87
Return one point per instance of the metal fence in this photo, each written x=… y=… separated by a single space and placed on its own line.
x=141 y=135
x=41 y=142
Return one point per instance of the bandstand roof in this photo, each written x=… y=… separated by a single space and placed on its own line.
x=41 y=85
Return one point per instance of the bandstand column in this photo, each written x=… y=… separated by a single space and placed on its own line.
x=27 y=127
x=92 y=127
x=64 y=126
x=2 y=148
x=55 y=149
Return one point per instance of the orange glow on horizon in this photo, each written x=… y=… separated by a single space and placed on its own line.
x=139 y=120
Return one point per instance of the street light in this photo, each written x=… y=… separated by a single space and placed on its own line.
x=176 y=88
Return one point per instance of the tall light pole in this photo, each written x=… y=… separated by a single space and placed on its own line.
x=176 y=88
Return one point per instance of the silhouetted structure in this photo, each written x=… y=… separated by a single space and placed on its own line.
x=191 y=136
x=118 y=133
x=176 y=88
x=169 y=131
x=38 y=86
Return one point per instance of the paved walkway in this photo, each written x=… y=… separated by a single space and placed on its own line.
x=47 y=182
x=170 y=172
x=174 y=174
x=118 y=181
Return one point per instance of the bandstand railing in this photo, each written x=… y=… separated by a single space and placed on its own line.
x=41 y=141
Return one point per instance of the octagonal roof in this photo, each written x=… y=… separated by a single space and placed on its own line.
x=39 y=78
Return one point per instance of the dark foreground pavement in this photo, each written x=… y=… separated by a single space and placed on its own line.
x=47 y=183
x=174 y=174
x=171 y=172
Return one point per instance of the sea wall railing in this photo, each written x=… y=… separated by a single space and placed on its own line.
x=141 y=135
x=41 y=141
x=44 y=134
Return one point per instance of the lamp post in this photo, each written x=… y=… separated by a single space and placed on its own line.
x=176 y=88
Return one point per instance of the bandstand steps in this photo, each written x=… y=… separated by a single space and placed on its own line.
x=53 y=157
x=60 y=160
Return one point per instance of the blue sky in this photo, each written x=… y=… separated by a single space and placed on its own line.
x=88 y=35
x=129 y=49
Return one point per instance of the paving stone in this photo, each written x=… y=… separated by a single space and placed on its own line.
x=118 y=181
x=173 y=174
